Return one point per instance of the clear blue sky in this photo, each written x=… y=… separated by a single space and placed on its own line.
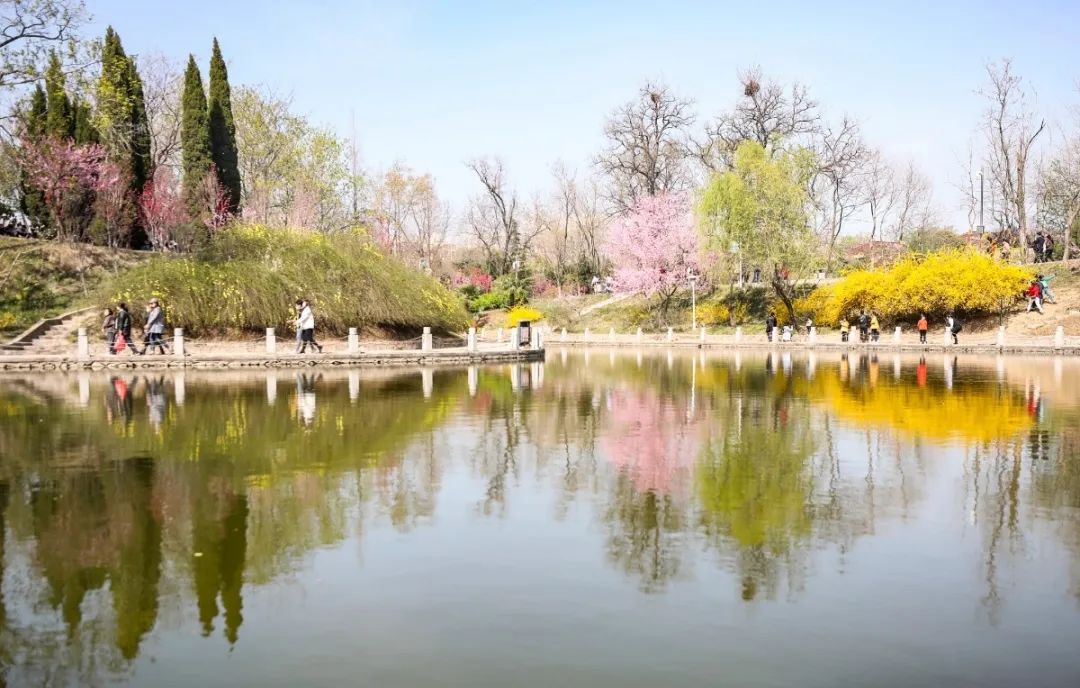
x=435 y=83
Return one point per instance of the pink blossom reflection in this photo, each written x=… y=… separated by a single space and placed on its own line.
x=651 y=439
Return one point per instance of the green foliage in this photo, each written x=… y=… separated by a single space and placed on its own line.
x=194 y=136
x=59 y=120
x=960 y=280
x=248 y=277
x=121 y=123
x=223 y=150
x=507 y=291
x=760 y=205
x=34 y=121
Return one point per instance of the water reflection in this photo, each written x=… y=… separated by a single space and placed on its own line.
x=130 y=504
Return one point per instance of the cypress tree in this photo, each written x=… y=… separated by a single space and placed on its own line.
x=35 y=117
x=223 y=152
x=141 y=156
x=194 y=136
x=121 y=122
x=59 y=121
x=84 y=124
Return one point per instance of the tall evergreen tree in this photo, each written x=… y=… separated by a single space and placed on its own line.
x=84 y=131
x=194 y=135
x=223 y=151
x=59 y=120
x=35 y=120
x=121 y=122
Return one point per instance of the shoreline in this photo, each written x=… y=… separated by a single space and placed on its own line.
x=250 y=361
x=1018 y=349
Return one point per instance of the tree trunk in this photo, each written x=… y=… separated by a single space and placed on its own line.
x=780 y=287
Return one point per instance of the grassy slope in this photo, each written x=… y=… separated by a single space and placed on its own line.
x=44 y=278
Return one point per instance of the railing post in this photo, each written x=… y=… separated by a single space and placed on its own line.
x=1059 y=337
x=738 y=334
x=946 y=337
x=472 y=339
x=354 y=341
x=1001 y=336
x=813 y=336
x=611 y=335
x=896 y=335
x=585 y=337
x=537 y=338
x=425 y=340
x=178 y=342
x=702 y=337
x=639 y=335
x=271 y=341
x=83 y=344
x=562 y=335
x=671 y=334
x=515 y=339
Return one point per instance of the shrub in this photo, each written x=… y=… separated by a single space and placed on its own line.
x=961 y=280
x=248 y=277
x=519 y=313
x=488 y=302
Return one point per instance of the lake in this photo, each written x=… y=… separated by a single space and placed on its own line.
x=607 y=518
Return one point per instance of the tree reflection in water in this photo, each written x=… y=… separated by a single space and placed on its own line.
x=138 y=511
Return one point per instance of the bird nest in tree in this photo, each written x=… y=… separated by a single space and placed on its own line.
x=751 y=89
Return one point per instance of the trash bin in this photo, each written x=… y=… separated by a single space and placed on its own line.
x=525 y=333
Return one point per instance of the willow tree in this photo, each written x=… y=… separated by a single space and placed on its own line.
x=759 y=209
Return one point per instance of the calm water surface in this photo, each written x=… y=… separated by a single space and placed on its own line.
x=609 y=519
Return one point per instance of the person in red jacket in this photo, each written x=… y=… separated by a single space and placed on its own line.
x=1034 y=294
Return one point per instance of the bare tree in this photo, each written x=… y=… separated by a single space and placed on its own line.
x=647 y=148
x=968 y=186
x=163 y=82
x=914 y=198
x=767 y=113
x=1059 y=194
x=29 y=29
x=429 y=221
x=881 y=193
x=837 y=187
x=1011 y=130
x=492 y=218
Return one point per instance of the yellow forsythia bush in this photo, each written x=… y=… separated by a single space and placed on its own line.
x=961 y=280
x=518 y=313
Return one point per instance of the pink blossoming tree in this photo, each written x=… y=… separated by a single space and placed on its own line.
x=655 y=247
x=69 y=176
x=161 y=207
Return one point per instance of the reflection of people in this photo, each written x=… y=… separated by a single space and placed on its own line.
x=920 y=372
x=155 y=400
x=305 y=398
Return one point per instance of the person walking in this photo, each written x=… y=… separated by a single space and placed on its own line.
x=922 y=326
x=1037 y=245
x=770 y=325
x=845 y=329
x=108 y=328
x=297 y=308
x=155 y=328
x=1048 y=248
x=123 y=328
x=875 y=328
x=307 y=328
x=952 y=324
x=864 y=326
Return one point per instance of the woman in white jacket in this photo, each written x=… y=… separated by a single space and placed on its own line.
x=307 y=328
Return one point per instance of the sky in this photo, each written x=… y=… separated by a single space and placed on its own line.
x=434 y=84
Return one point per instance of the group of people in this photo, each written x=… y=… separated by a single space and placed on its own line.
x=117 y=326
x=868 y=326
x=1043 y=245
x=1038 y=292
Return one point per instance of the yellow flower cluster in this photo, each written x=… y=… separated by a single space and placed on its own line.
x=962 y=280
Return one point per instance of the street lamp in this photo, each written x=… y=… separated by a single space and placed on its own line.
x=692 y=278
x=735 y=249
